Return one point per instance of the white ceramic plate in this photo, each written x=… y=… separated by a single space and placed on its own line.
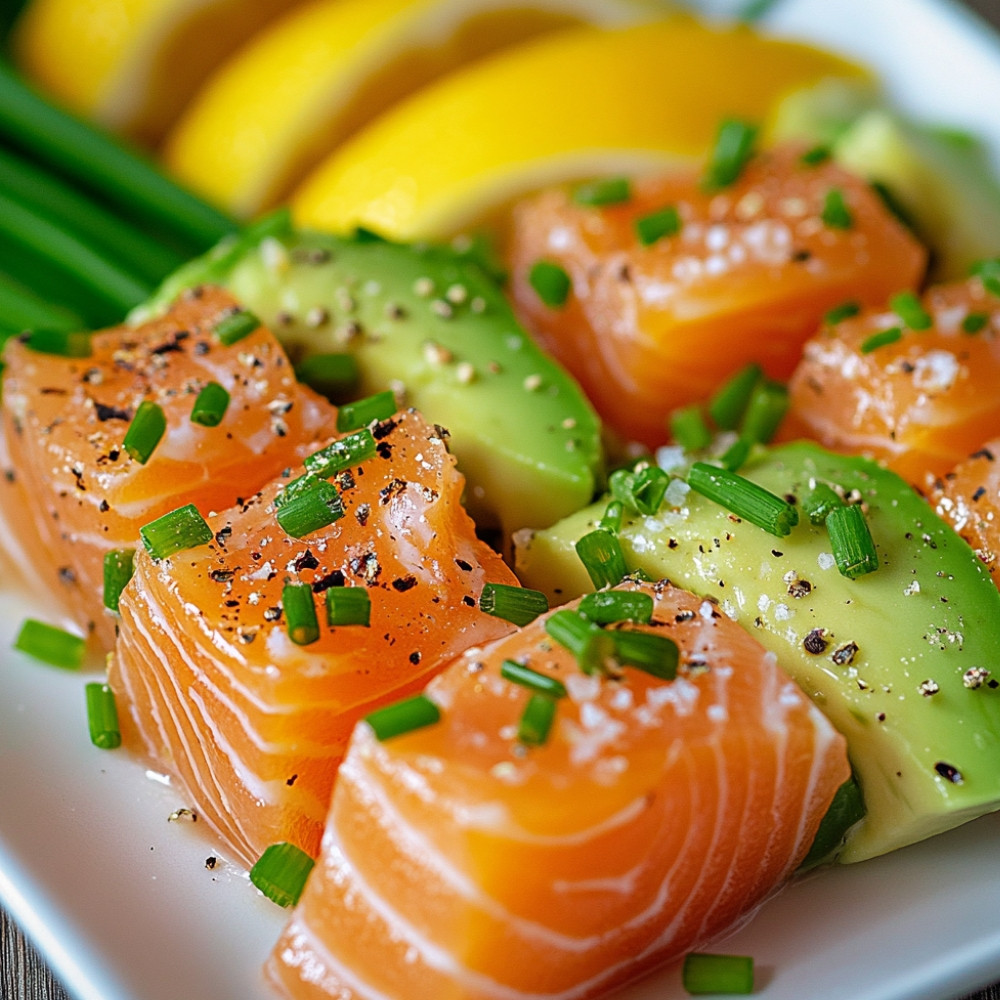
x=122 y=904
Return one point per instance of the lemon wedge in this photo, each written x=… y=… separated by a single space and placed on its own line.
x=132 y=65
x=275 y=109
x=580 y=102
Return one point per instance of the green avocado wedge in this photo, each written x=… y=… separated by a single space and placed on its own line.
x=434 y=326
x=899 y=659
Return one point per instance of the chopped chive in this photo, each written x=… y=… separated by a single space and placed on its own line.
x=881 y=339
x=146 y=431
x=893 y=205
x=551 y=283
x=764 y=412
x=281 y=872
x=815 y=156
x=403 y=717
x=64 y=343
x=607 y=191
x=348 y=606
x=608 y=606
x=513 y=604
x=591 y=646
x=235 y=326
x=535 y=681
x=703 y=973
x=602 y=557
x=613 y=516
x=819 y=501
x=183 y=528
x=102 y=716
x=908 y=308
x=210 y=405
x=308 y=504
x=851 y=541
x=331 y=375
x=354 y=416
x=689 y=429
x=734 y=142
x=642 y=491
x=734 y=457
x=536 y=720
x=988 y=272
x=835 y=212
x=974 y=322
x=342 y=454
x=744 y=498
x=653 y=654
x=51 y=645
x=729 y=402
x=844 y=311
x=658 y=225
x=299 y=607
x=119 y=564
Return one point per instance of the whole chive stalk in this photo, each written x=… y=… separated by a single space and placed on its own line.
x=50 y=644
x=299 y=607
x=119 y=565
x=732 y=150
x=353 y=416
x=703 y=973
x=744 y=498
x=63 y=343
x=881 y=339
x=183 y=528
x=348 y=606
x=334 y=376
x=607 y=191
x=735 y=456
x=613 y=516
x=658 y=225
x=592 y=647
x=342 y=454
x=819 y=501
x=602 y=557
x=844 y=311
x=550 y=282
x=689 y=429
x=910 y=310
x=606 y=607
x=235 y=326
x=102 y=716
x=403 y=717
x=210 y=405
x=281 y=872
x=536 y=720
x=653 y=654
x=835 y=213
x=307 y=505
x=534 y=680
x=23 y=309
x=765 y=410
x=145 y=431
x=851 y=541
x=729 y=402
x=518 y=605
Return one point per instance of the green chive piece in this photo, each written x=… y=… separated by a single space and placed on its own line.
x=658 y=225
x=119 y=564
x=653 y=654
x=729 y=402
x=536 y=720
x=51 y=645
x=331 y=375
x=844 y=311
x=642 y=491
x=362 y=412
x=146 y=431
x=881 y=339
x=605 y=607
x=535 y=681
x=348 y=606
x=733 y=149
x=689 y=429
x=764 y=412
x=893 y=205
x=988 y=272
x=819 y=501
x=308 y=504
x=602 y=557
x=589 y=643
x=551 y=283
x=835 y=212
x=235 y=327
x=703 y=973
x=613 y=516
x=403 y=717
x=348 y=451
x=908 y=308
x=210 y=405
x=851 y=540
x=513 y=604
x=299 y=606
x=753 y=10
x=281 y=872
x=974 y=322
x=102 y=716
x=64 y=343
x=735 y=456
x=608 y=191
x=815 y=156
x=183 y=528
x=744 y=498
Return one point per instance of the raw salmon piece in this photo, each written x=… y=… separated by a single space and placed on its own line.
x=458 y=863
x=212 y=689
x=747 y=278
x=920 y=403
x=78 y=494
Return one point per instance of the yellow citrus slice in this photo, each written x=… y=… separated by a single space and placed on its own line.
x=276 y=108
x=581 y=102
x=132 y=64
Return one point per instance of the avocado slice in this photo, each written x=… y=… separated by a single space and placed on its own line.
x=898 y=659
x=431 y=323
